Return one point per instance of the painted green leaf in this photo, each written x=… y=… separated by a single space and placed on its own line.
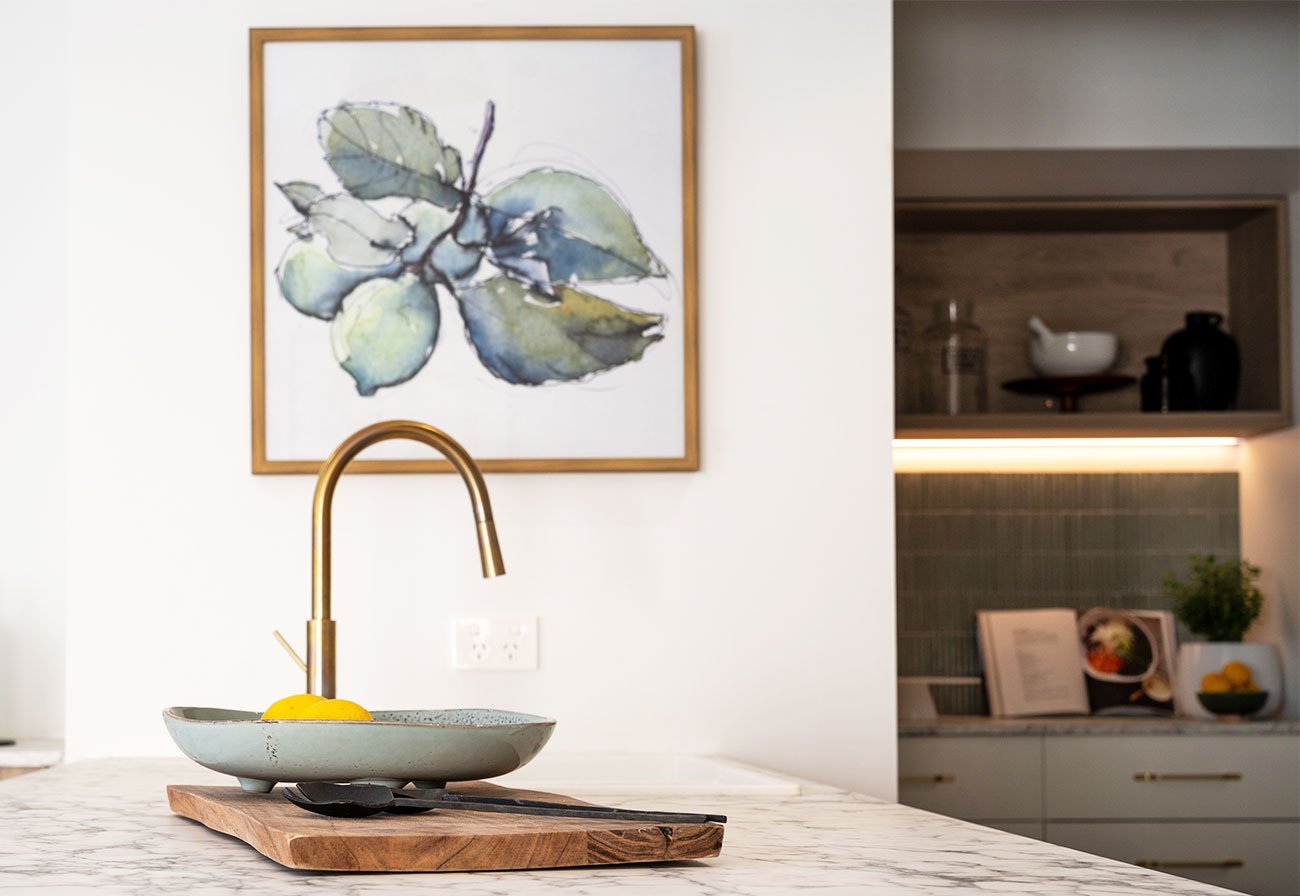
x=383 y=149
x=473 y=231
x=527 y=338
x=357 y=235
x=385 y=331
x=574 y=226
x=301 y=194
x=451 y=164
x=514 y=250
x=531 y=271
x=456 y=262
x=315 y=283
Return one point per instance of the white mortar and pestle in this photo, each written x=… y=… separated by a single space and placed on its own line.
x=1072 y=353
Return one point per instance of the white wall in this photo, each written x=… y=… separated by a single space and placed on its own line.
x=1141 y=73
x=744 y=610
x=1270 y=510
x=33 y=368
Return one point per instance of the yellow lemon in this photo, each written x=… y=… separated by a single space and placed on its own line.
x=1238 y=674
x=291 y=707
x=344 y=710
x=1214 y=683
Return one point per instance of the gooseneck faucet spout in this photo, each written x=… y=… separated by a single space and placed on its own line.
x=320 y=628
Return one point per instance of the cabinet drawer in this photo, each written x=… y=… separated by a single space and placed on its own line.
x=1241 y=776
x=1257 y=857
x=986 y=778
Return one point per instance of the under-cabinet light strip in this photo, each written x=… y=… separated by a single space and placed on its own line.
x=1134 y=442
x=1157 y=454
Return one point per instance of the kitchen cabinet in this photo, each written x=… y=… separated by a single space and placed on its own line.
x=1222 y=808
x=1132 y=267
x=1171 y=777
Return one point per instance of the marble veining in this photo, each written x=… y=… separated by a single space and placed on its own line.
x=984 y=726
x=103 y=826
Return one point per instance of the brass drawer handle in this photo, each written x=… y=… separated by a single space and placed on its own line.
x=927 y=779
x=1187 y=776
x=1158 y=865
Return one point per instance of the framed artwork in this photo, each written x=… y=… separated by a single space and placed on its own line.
x=490 y=230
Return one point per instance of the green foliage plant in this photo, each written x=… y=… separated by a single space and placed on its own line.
x=1219 y=601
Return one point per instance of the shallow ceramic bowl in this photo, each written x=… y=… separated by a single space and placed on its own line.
x=430 y=747
x=1073 y=354
x=1233 y=703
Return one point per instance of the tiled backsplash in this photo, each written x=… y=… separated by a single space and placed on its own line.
x=976 y=541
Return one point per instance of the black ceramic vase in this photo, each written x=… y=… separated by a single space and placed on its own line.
x=1208 y=357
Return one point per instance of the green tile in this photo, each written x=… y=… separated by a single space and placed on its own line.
x=1005 y=541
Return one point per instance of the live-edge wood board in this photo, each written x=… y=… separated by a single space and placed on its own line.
x=437 y=840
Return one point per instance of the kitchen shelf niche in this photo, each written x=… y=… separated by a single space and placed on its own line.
x=1131 y=266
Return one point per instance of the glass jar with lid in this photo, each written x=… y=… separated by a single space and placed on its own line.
x=952 y=361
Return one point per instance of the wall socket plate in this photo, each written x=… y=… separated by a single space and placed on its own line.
x=494 y=642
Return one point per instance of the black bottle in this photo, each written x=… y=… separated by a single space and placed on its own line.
x=1208 y=357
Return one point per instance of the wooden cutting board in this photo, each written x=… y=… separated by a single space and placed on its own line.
x=438 y=840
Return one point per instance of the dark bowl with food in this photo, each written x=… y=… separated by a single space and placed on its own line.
x=1233 y=703
x=1116 y=646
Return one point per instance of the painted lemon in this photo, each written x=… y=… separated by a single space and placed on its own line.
x=342 y=710
x=291 y=707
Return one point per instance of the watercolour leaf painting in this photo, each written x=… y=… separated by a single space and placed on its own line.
x=491 y=230
x=512 y=262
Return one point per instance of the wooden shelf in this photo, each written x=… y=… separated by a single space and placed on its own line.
x=1133 y=267
x=1047 y=425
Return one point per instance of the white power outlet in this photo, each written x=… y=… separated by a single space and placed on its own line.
x=494 y=642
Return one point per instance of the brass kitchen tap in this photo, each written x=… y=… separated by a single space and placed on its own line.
x=320 y=628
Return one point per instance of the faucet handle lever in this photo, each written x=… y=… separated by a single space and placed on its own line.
x=288 y=648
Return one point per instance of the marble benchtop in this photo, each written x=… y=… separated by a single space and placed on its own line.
x=985 y=726
x=103 y=827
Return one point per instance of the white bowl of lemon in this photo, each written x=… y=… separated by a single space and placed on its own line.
x=305 y=737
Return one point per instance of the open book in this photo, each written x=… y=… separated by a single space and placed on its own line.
x=1031 y=662
x=1058 y=662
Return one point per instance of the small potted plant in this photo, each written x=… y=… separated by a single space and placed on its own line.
x=1219 y=602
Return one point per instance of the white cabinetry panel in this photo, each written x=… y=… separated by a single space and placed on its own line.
x=976 y=778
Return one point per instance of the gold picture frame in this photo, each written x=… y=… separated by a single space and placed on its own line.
x=684 y=282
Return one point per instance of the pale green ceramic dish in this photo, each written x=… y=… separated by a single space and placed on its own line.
x=429 y=747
